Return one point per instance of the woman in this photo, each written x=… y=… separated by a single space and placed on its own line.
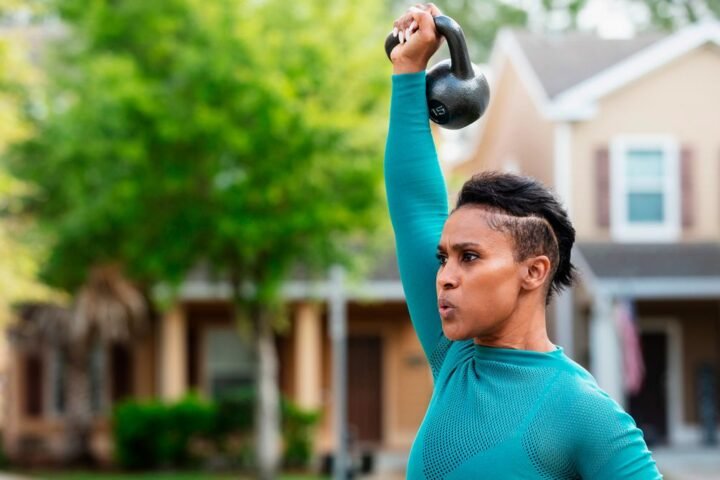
x=507 y=403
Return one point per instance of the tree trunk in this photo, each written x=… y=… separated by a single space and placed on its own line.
x=79 y=418
x=267 y=407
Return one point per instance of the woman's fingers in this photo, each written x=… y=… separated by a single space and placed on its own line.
x=404 y=25
x=410 y=21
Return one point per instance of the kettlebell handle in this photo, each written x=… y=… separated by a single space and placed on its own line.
x=459 y=57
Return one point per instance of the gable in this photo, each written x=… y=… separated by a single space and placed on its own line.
x=567 y=74
x=562 y=61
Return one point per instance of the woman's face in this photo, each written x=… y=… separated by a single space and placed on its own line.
x=478 y=281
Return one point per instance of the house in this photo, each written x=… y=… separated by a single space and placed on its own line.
x=627 y=133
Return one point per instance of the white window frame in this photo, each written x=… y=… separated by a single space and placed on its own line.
x=621 y=229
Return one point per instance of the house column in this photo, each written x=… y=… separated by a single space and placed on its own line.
x=565 y=321
x=605 y=352
x=173 y=354
x=562 y=164
x=308 y=355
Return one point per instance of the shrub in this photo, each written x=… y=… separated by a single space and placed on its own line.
x=297 y=425
x=153 y=434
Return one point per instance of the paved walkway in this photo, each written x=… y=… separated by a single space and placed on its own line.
x=688 y=463
x=674 y=464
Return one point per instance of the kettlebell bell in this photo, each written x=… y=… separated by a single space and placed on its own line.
x=457 y=95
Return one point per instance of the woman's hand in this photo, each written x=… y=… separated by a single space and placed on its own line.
x=418 y=38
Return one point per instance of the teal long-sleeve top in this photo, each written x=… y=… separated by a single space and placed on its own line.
x=495 y=413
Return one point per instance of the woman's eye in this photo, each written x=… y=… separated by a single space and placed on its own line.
x=442 y=259
x=469 y=257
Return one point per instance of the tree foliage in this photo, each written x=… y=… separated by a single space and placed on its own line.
x=672 y=14
x=20 y=254
x=247 y=134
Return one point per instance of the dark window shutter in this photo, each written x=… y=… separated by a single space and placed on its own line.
x=122 y=372
x=33 y=385
x=602 y=186
x=686 y=187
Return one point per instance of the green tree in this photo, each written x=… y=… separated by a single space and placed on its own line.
x=20 y=254
x=672 y=14
x=663 y=14
x=246 y=135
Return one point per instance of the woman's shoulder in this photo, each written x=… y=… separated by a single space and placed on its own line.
x=579 y=378
x=588 y=403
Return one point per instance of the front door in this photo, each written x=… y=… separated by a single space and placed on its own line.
x=364 y=389
x=649 y=406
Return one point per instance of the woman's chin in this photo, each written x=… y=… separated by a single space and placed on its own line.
x=454 y=334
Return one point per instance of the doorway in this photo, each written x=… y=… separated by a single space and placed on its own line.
x=649 y=407
x=365 y=389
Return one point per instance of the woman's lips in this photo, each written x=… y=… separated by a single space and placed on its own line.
x=445 y=307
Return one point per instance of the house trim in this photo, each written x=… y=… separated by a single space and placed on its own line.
x=661 y=287
x=300 y=290
x=508 y=44
x=563 y=164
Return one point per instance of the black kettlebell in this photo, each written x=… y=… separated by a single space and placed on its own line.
x=457 y=95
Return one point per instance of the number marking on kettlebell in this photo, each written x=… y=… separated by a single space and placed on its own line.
x=438 y=112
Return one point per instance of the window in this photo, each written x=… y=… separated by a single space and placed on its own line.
x=645 y=189
x=230 y=362
x=57 y=380
x=96 y=377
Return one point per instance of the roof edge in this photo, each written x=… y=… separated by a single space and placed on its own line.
x=582 y=97
x=507 y=43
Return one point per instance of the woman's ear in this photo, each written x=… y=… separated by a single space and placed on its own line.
x=536 y=272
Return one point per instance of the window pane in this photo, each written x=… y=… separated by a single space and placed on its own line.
x=644 y=164
x=97 y=368
x=230 y=362
x=645 y=207
x=58 y=380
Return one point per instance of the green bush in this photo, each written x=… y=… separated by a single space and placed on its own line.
x=234 y=427
x=297 y=425
x=135 y=428
x=235 y=411
x=153 y=434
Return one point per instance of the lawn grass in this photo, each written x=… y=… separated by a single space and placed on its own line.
x=151 y=476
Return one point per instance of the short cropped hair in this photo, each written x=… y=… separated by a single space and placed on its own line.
x=531 y=215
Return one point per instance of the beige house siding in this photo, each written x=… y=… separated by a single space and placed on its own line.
x=514 y=131
x=680 y=99
x=406 y=381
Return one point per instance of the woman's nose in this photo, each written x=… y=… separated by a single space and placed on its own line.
x=447 y=277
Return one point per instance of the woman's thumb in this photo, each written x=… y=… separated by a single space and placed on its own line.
x=423 y=18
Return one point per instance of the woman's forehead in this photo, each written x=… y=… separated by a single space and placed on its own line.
x=472 y=225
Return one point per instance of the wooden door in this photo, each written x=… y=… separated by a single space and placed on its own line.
x=365 y=389
x=649 y=406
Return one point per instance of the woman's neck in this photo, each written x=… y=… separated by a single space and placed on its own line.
x=525 y=329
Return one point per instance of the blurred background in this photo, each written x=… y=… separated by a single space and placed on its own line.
x=197 y=273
